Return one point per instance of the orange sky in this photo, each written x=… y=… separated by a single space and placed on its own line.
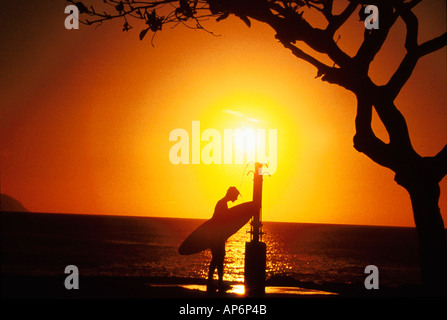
x=86 y=117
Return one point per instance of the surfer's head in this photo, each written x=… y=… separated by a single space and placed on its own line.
x=232 y=194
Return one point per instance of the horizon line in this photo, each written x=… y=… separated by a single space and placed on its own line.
x=172 y=217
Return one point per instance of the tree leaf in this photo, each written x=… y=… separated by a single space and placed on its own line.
x=143 y=33
x=224 y=16
x=319 y=73
x=120 y=7
x=126 y=26
x=185 y=8
x=246 y=20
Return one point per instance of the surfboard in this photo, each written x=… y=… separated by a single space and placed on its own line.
x=215 y=231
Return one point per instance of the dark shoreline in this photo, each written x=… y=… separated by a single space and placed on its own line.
x=163 y=297
x=14 y=286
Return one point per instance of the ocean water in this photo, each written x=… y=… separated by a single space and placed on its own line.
x=43 y=244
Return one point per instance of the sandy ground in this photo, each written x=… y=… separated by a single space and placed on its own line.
x=180 y=298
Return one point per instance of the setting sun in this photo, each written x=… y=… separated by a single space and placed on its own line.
x=245 y=140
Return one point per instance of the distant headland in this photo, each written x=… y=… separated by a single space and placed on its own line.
x=8 y=203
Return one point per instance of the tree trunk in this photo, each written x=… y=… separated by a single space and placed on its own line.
x=420 y=176
x=431 y=233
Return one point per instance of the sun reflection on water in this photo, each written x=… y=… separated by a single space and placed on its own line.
x=235 y=254
x=277 y=260
x=303 y=252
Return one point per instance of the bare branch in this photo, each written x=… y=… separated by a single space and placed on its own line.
x=296 y=28
x=179 y=12
x=337 y=21
x=321 y=67
x=374 y=39
x=324 y=7
x=365 y=140
x=394 y=123
x=412 y=25
x=432 y=45
x=414 y=51
x=413 y=3
x=440 y=163
x=402 y=74
x=406 y=67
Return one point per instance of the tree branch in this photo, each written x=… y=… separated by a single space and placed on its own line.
x=394 y=123
x=408 y=63
x=440 y=163
x=406 y=67
x=321 y=67
x=325 y=9
x=365 y=140
x=412 y=25
x=414 y=51
x=374 y=39
x=327 y=73
x=432 y=45
x=291 y=27
x=337 y=21
x=402 y=74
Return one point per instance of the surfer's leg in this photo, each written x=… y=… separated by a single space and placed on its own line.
x=220 y=268
x=220 y=257
x=212 y=267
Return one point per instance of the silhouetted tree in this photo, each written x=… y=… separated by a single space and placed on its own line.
x=419 y=175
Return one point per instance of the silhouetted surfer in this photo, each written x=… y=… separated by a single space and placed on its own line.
x=218 y=250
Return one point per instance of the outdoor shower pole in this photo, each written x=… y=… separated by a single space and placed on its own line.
x=257 y=200
x=255 y=250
